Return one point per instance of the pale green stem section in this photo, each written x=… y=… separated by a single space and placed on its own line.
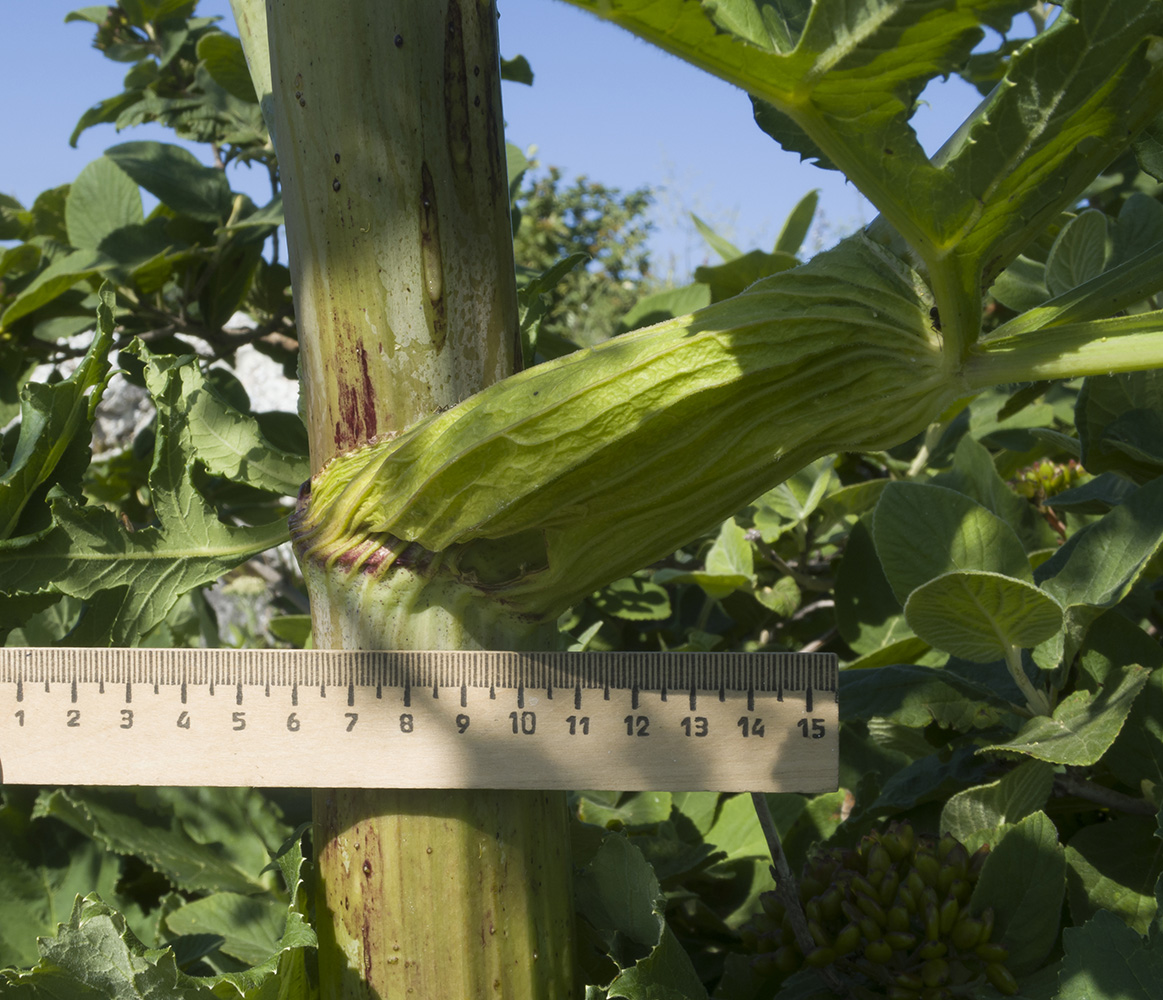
x=1100 y=297
x=1036 y=700
x=395 y=189
x=388 y=125
x=1100 y=347
x=250 y=16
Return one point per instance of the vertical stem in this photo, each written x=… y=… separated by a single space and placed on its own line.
x=388 y=128
x=391 y=155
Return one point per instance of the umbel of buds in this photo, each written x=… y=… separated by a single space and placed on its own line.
x=894 y=913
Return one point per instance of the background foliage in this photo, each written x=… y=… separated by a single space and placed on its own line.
x=1027 y=522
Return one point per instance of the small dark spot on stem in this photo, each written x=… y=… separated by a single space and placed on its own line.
x=336 y=157
x=476 y=101
x=476 y=71
x=399 y=40
x=887 y=151
x=335 y=184
x=367 y=868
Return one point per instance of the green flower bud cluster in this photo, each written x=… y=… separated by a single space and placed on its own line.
x=894 y=912
x=1045 y=479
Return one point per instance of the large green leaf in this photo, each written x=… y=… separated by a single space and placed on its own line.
x=924 y=531
x=94 y=954
x=1079 y=252
x=1072 y=98
x=249 y=925
x=1120 y=423
x=223 y=58
x=979 y=815
x=1114 y=866
x=981 y=616
x=120 y=825
x=1136 y=758
x=37 y=894
x=1106 y=960
x=56 y=279
x=176 y=178
x=51 y=416
x=143 y=573
x=1083 y=725
x=846 y=75
x=974 y=474
x=232 y=444
x=1024 y=880
x=916 y=696
x=101 y=200
x=665 y=974
x=1099 y=564
x=868 y=615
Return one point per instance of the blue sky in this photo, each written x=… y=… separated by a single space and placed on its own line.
x=603 y=104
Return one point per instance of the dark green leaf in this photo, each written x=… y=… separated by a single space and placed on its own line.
x=666 y=974
x=176 y=178
x=1035 y=143
x=56 y=279
x=916 y=696
x=974 y=474
x=738 y=273
x=1024 y=880
x=95 y=955
x=101 y=200
x=14 y=220
x=35 y=897
x=979 y=815
x=1022 y=285
x=1083 y=725
x=517 y=70
x=293 y=629
x=51 y=416
x=619 y=896
x=108 y=110
x=250 y=926
x=723 y=247
x=1120 y=424
x=981 y=616
x=90 y=552
x=932 y=778
x=633 y=599
x=923 y=531
x=223 y=58
x=1106 y=960
x=1114 y=866
x=868 y=615
x=114 y=821
x=796 y=225
x=1099 y=564
x=1079 y=253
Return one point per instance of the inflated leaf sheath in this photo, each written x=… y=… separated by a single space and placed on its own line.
x=598 y=463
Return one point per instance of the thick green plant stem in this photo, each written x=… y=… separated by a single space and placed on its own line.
x=391 y=156
x=387 y=122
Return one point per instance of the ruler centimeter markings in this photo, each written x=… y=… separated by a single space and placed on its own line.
x=445 y=719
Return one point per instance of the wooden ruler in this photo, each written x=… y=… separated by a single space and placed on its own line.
x=312 y=718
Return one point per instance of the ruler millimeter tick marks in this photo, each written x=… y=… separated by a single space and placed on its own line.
x=442 y=719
